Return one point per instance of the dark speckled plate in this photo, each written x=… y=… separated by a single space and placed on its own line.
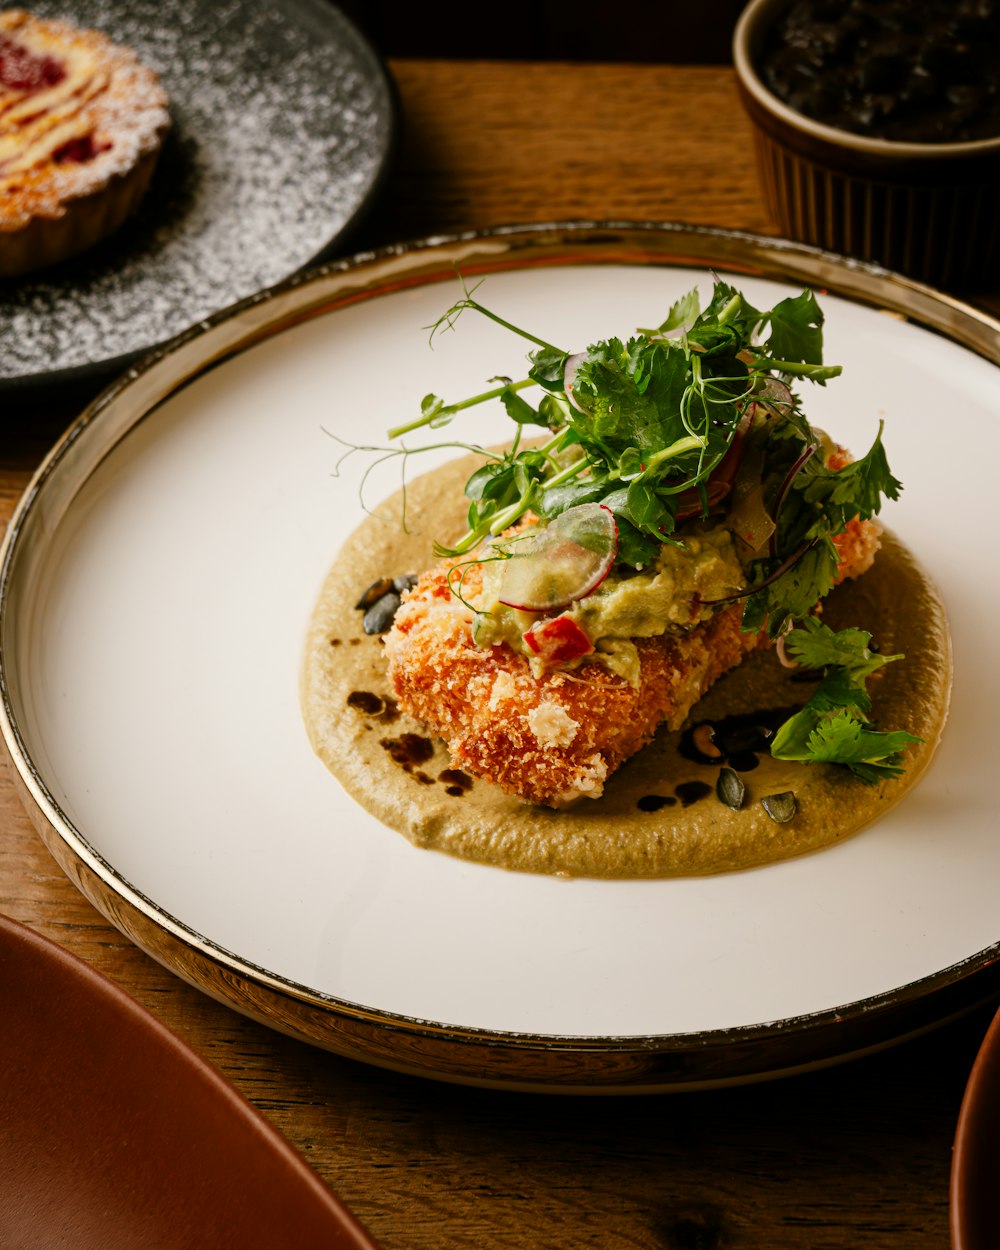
x=284 y=120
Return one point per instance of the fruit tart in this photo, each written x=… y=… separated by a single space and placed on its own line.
x=82 y=122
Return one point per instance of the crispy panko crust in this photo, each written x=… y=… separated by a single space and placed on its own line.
x=557 y=738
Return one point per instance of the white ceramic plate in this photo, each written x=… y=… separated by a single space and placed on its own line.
x=156 y=586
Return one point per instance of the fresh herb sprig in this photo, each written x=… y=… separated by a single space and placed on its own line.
x=635 y=425
x=667 y=426
x=817 y=505
x=833 y=727
x=652 y=427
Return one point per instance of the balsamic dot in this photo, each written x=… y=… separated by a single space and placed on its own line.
x=653 y=802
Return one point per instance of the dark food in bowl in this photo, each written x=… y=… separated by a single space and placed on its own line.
x=919 y=71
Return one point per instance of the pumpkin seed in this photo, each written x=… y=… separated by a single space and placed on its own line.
x=780 y=807
x=730 y=788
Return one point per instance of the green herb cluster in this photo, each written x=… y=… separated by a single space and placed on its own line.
x=646 y=426
x=833 y=727
x=666 y=427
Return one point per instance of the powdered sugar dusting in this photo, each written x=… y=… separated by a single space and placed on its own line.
x=282 y=122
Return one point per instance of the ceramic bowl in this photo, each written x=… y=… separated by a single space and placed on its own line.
x=927 y=210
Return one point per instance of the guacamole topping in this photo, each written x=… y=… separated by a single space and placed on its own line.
x=680 y=589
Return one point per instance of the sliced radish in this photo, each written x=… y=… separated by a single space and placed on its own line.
x=720 y=481
x=561 y=562
x=775 y=393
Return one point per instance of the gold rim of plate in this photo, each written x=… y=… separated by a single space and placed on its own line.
x=482 y=1057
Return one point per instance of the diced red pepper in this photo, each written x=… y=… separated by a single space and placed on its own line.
x=557 y=641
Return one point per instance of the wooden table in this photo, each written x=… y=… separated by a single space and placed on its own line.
x=857 y=1155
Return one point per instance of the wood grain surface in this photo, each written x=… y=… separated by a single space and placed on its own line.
x=854 y=1156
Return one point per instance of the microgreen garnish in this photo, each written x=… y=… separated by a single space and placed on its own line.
x=691 y=419
x=644 y=425
x=458 y=573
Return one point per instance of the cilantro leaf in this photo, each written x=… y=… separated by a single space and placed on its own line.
x=631 y=396
x=870 y=754
x=682 y=313
x=834 y=496
x=815 y=503
x=731 y=307
x=795 y=592
x=797 y=330
x=816 y=645
x=833 y=726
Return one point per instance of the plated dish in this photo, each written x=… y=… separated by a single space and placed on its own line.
x=283 y=125
x=163 y=755
x=116 y=1132
x=595 y=668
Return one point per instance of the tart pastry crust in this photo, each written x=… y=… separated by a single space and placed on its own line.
x=82 y=122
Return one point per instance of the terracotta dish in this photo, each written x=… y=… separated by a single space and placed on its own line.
x=114 y=1132
x=975 y=1169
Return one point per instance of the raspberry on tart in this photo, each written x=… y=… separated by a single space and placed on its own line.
x=82 y=122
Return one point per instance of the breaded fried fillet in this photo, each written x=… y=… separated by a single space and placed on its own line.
x=558 y=737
